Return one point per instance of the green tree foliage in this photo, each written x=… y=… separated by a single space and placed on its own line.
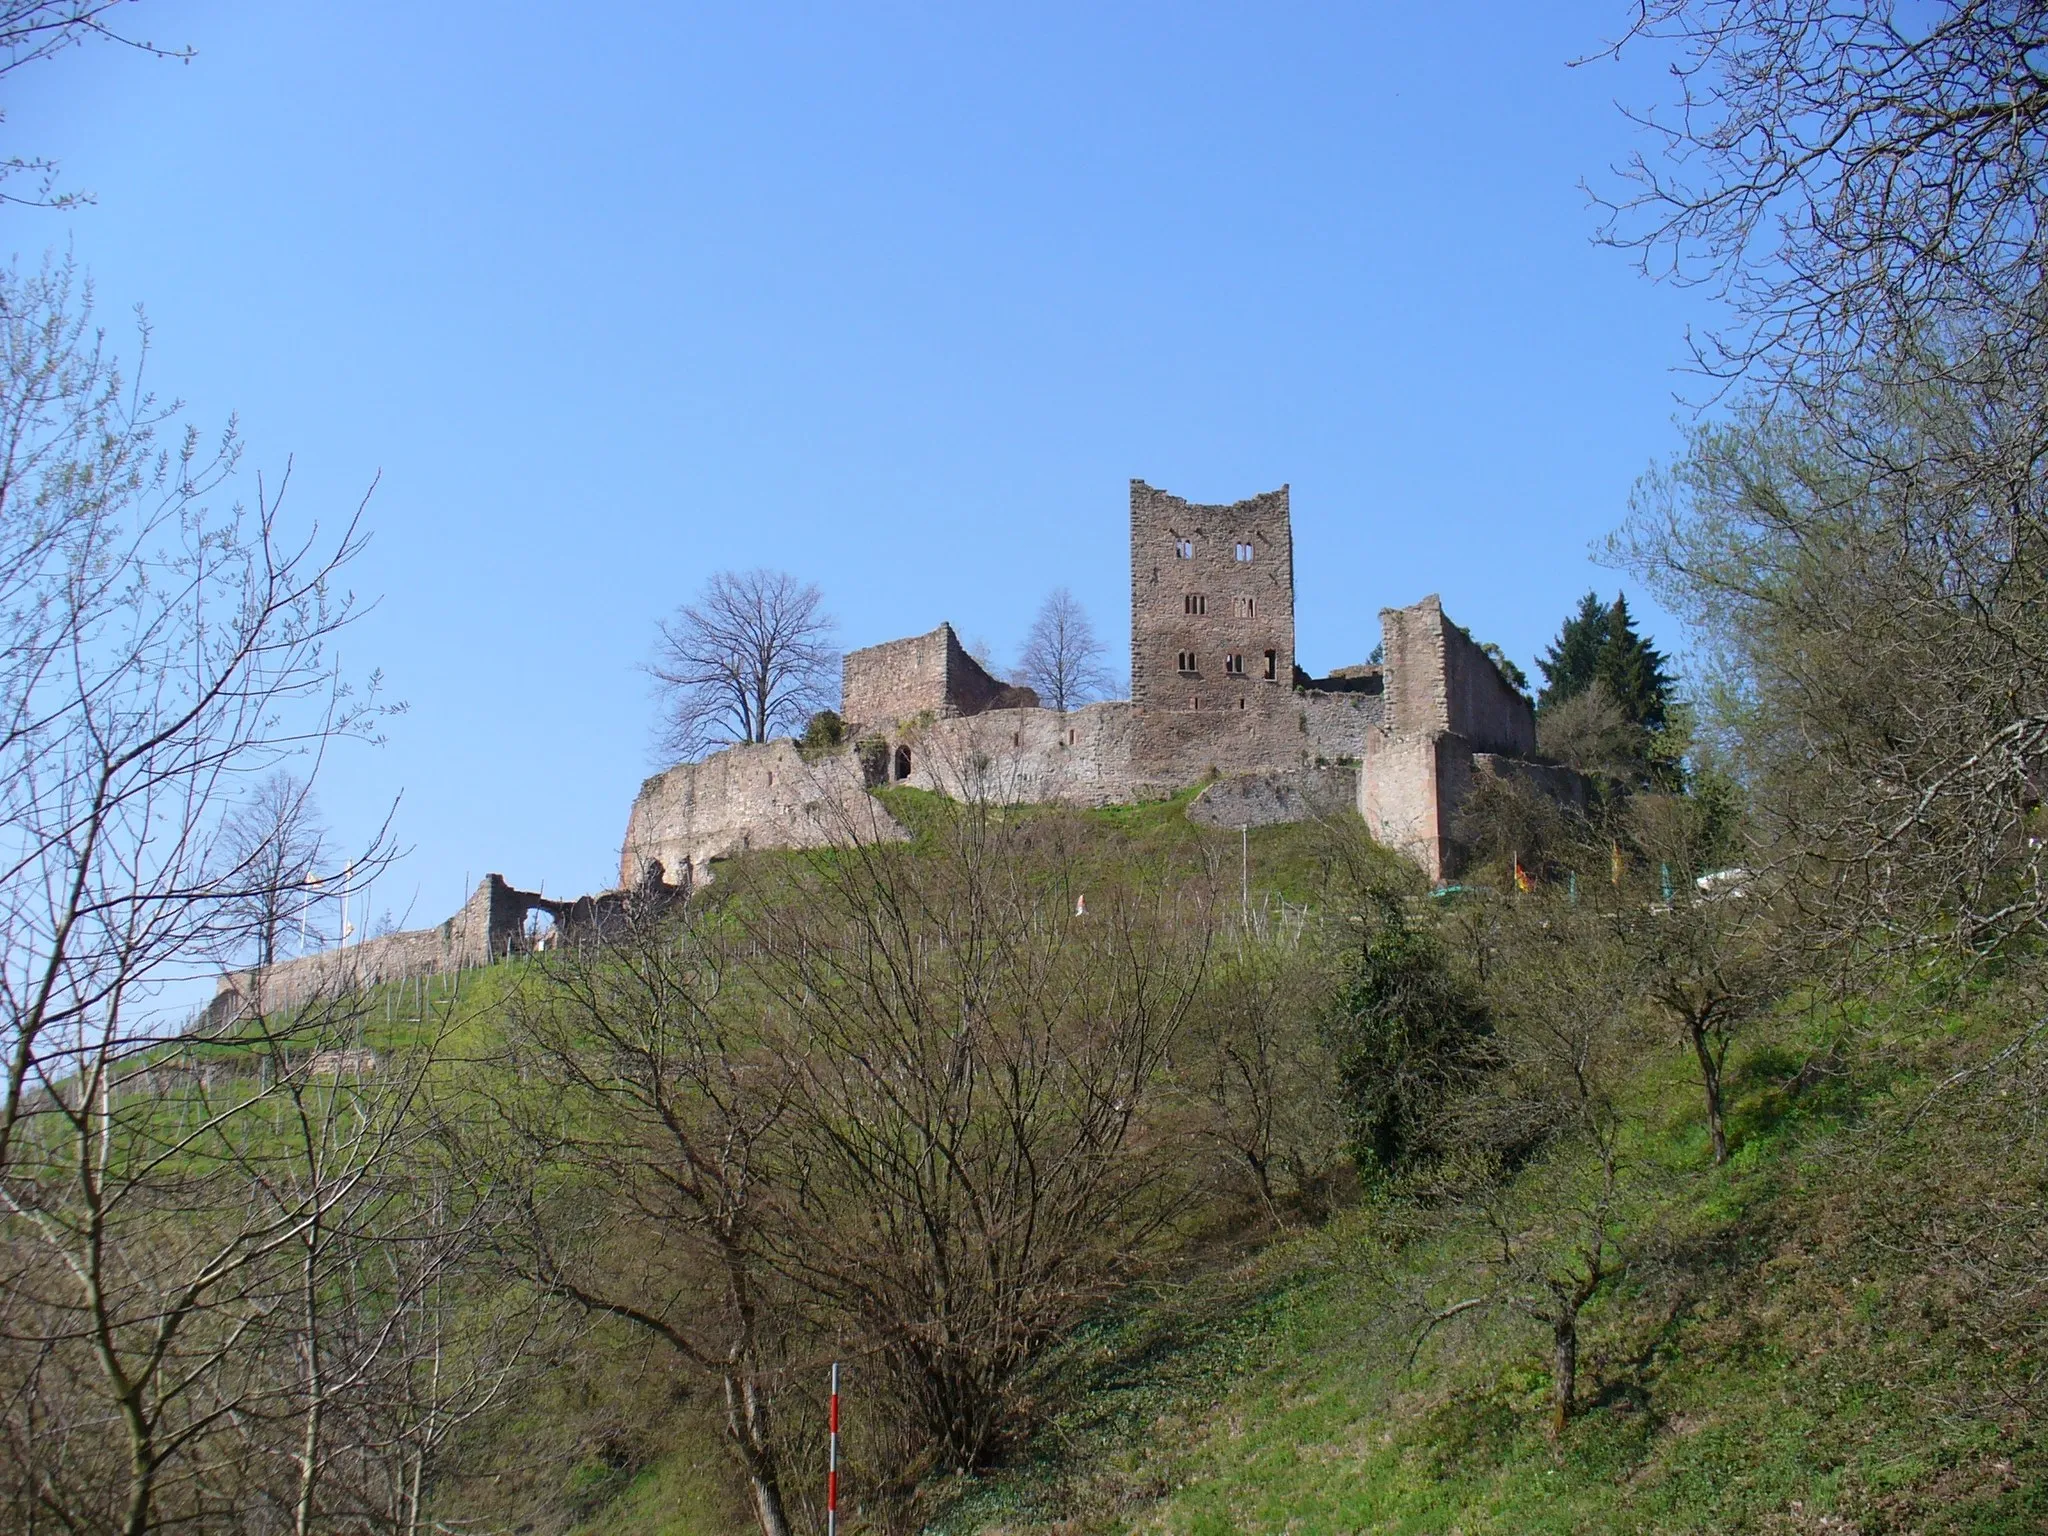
x=1517 y=678
x=1573 y=660
x=1405 y=1031
x=1606 y=706
x=1633 y=670
x=1600 y=643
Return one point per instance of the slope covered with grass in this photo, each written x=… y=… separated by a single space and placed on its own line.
x=1803 y=1341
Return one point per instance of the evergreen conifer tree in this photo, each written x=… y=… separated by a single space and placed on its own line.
x=1573 y=660
x=1633 y=669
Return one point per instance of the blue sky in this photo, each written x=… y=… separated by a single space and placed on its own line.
x=895 y=297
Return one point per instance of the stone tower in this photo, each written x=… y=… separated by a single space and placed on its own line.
x=1212 y=603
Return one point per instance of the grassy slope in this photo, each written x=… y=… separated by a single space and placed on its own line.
x=1774 y=1362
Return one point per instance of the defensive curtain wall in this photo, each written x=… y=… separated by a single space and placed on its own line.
x=492 y=926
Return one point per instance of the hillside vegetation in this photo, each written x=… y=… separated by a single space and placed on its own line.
x=1834 y=1330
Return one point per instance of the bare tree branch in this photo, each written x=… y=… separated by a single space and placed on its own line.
x=751 y=658
x=1062 y=659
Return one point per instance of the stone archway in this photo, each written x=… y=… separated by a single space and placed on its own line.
x=902 y=764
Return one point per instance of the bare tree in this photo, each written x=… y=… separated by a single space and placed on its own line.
x=1854 y=180
x=159 y=654
x=980 y=1080
x=644 y=1168
x=33 y=30
x=275 y=848
x=1062 y=659
x=751 y=658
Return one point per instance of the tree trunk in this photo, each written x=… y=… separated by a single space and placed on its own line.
x=142 y=1465
x=1564 y=1370
x=1710 y=1078
x=746 y=1422
x=316 y=1388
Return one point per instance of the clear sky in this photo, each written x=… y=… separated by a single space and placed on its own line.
x=897 y=298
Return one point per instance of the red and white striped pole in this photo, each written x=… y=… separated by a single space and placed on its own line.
x=832 y=1460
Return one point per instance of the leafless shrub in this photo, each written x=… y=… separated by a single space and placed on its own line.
x=642 y=1130
x=1589 y=732
x=979 y=1074
x=1548 y=1242
x=1263 y=1079
x=227 y=1305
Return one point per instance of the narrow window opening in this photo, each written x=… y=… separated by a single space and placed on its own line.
x=1194 y=701
x=1187 y=663
x=1184 y=548
x=902 y=763
x=1194 y=602
x=1233 y=663
x=1244 y=552
x=1240 y=701
x=1245 y=607
x=1073 y=737
x=771 y=778
x=1272 y=666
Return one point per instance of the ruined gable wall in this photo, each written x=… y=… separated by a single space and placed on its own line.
x=923 y=674
x=760 y=795
x=897 y=679
x=1439 y=680
x=969 y=688
x=1485 y=708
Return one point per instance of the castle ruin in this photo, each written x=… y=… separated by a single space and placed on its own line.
x=1216 y=696
x=1217 y=699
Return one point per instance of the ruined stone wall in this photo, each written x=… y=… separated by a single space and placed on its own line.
x=1437 y=679
x=1209 y=583
x=1400 y=793
x=1269 y=799
x=463 y=941
x=1089 y=756
x=1335 y=724
x=756 y=796
x=924 y=674
x=491 y=926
